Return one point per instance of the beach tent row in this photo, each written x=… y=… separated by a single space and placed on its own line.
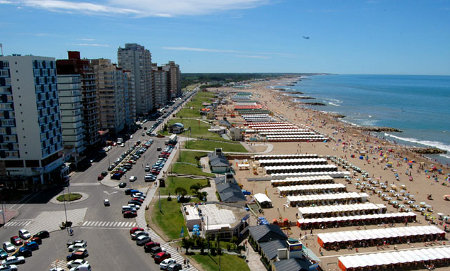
x=252 y=111
x=341 y=210
x=284 y=156
x=274 y=128
x=295 y=161
x=318 y=188
x=296 y=139
x=265 y=123
x=326 y=199
x=258 y=106
x=302 y=180
x=300 y=168
x=269 y=131
x=278 y=132
x=286 y=135
x=344 y=221
x=380 y=236
x=397 y=260
x=334 y=174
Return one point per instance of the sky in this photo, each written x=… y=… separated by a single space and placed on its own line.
x=329 y=36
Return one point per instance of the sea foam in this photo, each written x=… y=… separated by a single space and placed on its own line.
x=435 y=144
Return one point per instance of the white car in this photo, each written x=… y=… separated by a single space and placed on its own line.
x=55 y=269
x=8 y=247
x=24 y=234
x=135 y=206
x=122 y=145
x=133 y=178
x=136 y=234
x=11 y=267
x=77 y=262
x=83 y=267
x=164 y=264
x=13 y=260
x=77 y=246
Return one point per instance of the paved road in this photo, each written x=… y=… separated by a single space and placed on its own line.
x=104 y=228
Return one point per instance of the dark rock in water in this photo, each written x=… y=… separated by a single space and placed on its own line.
x=429 y=150
x=320 y=104
x=305 y=98
x=380 y=129
x=338 y=116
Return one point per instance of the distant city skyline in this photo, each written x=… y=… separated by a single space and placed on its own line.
x=345 y=37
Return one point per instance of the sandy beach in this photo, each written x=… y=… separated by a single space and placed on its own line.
x=348 y=141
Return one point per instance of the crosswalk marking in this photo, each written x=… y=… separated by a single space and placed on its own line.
x=17 y=223
x=108 y=224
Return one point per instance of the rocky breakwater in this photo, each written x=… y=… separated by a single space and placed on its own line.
x=429 y=150
x=380 y=129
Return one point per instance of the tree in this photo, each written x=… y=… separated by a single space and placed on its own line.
x=180 y=191
x=186 y=243
x=195 y=187
x=235 y=241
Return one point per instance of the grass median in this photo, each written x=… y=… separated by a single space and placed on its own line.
x=227 y=262
x=69 y=197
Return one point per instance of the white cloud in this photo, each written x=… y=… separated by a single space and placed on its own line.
x=253 y=56
x=92 y=44
x=140 y=8
x=86 y=39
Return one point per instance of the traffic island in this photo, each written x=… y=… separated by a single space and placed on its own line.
x=69 y=197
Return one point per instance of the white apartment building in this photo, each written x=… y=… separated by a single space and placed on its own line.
x=161 y=86
x=70 y=97
x=138 y=60
x=112 y=88
x=30 y=124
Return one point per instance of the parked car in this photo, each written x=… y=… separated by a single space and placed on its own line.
x=142 y=239
x=134 y=206
x=100 y=177
x=42 y=234
x=135 y=229
x=75 y=263
x=13 y=260
x=147 y=168
x=15 y=240
x=129 y=214
x=122 y=185
x=8 y=247
x=11 y=267
x=165 y=263
x=155 y=250
x=80 y=253
x=161 y=256
x=141 y=200
x=83 y=267
x=136 y=234
x=129 y=191
x=106 y=202
x=77 y=246
x=116 y=176
x=24 y=251
x=148 y=246
x=70 y=242
x=36 y=239
x=24 y=234
x=3 y=254
x=31 y=245
x=134 y=202
x=174 y=267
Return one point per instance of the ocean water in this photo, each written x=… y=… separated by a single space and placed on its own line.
x=417 y=105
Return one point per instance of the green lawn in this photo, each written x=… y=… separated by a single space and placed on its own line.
x=191 y=157
x=211 y=145
x=69 y=197
x=189 y=169
x=170 y=220
x=227 y=262
x=192 y=108
x=198 y=128
x=174 y=182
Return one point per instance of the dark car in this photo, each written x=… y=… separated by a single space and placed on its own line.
x=116 y=176
x=111 y=167
x=155 y=250
x=15 y=240
x=135 y=202
x=148 y=246
x=23 y=251
x=129 y=191
x=31 y=245
x=174 y=267
x=122 y=185
x=100 y=177
x=36 y=239
x=161 y=256
x=129 y=214
x=42 y=234
x=3 y=254
x=104 y=173
x=81 y=253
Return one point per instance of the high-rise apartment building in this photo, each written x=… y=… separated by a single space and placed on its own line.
x=174 y=79
x=69 y=92
x=161 y=86
x=30 y=124
x=138 y=60
x=112 y=87
x=76 y=65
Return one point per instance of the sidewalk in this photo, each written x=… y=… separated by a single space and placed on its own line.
x=140 y=219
